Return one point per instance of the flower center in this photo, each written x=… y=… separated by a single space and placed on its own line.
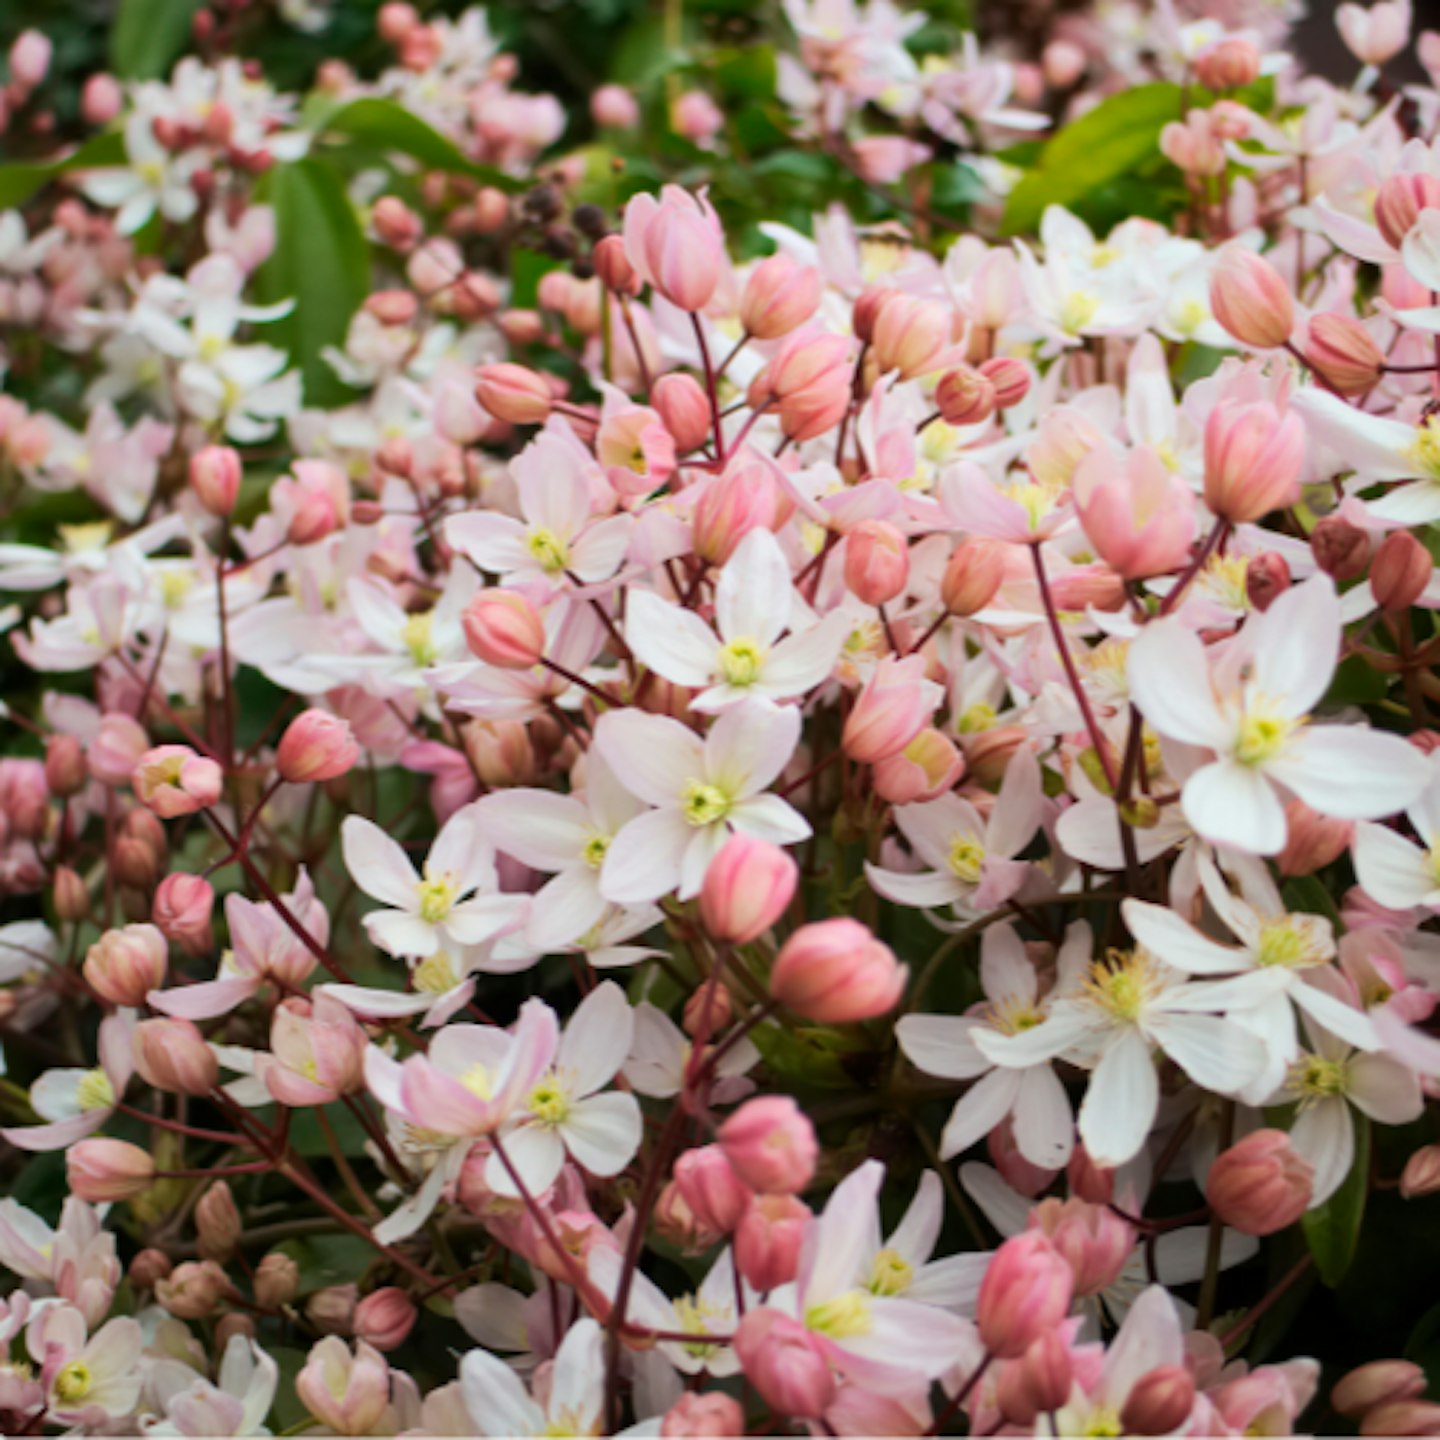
x=1103 y=1422
x=843 y=1317
x=695 y=1318
x=1263 y=735
x=704 y=804
x=437 y=897
x=435 y=975
x=1288 y=943
x=1316 y=1078
x=891 y=1273
x=739 y=662
x=977 y=718
x=1123 y=984
x=73 y=1382
x=95 y=1091
x=551 y=553
x=1010 y=1017
x=416 y=635
x=477 y=1081
x=967 y=859
x=594 y=850
x=1424 y=453
x=549 y=1103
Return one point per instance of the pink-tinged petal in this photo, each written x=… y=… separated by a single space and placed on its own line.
x=539 y=828
x=1297 y=642
x=378 y=1004
x=1018 y=807
x=1120 y=1101
x=496 y=543
x=643 y=861
x=979 y=1110
x=472 y=922
x=940 y=1045
x=1234 y=804
x=603 y=1132
x=1385 y=1090
x=1411 y=1047
x=750 y=745
x=435 y=1100
x=376 y=863
x=1170 y=682
x=1352 y=772
x=205 y=1000
x=1151 y=1336
x=495 y=1397
x=1090 y=833
x=933 y=827
x=801 y=662
x=599 y=551
x=999 y=880
x=671 y=641
x=57 y=1135
x=1376 y=448
x=977 y=506
x=383 y=1078
x=399 y=933
x=570 y=906
x=911 y=1337
x=1164 y=934
x=536 y=1152
x=653 y=756
x=923 y=890
x=597 y=1039
x=1006 y=971
x=753 y=596
x=289 y=1087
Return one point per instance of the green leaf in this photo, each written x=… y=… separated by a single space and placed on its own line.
x=20 y=181
x=1104 y=144
x=1423 y=1346
x=1308 y=893
x=329 y=1259
x=320 y=260
x=1333 y=1230
x=390 y=127
x=148 y=36
x=809 y=1056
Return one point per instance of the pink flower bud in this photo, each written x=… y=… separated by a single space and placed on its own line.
x=877 y=561
x=712 y=1413
x=716 y=1195
x=193 y=1290
x=514 y=394
x=682 y=404
x=636 y=449
x=215 y=474
x=1253 y=458
x=331 y=1309
x=1024 y=1295
x=1089 y=1181
x=1260 y=1184
x=1010 y=379
x=814 y=411
x=72 y=895
x=385 y=1317
x=746 y=889
x=1421 y=1175
x=316 y=746
x=116 y=749
x=1267 y=577
x=1403 y=1417
x=780 y=295
x=173 y=780
x=770 y=1143
x=893 y=708
x=1341 y=550
x=1193 y=146
x=1381 y=1382
x=101 y=100
x=317 y=1054
x=965 y=397
x=29 y=60
x=1400 y=572
x=972 y=576
x=1093 y=1239
x=678 y=1225
x=172 y=1055
x=1376 y=34
x=148 y=1267
x=277 y=1279
x=503 y=628
x=123 y=966
x=696 y=117
x=912 y=335
x=65 y=771
x=1229 y=64
x=676 y=244
x=1312 y=841
x=1251 y=299
x=1038 y=1382
x=217 y=1222
x=785 y=1363
x=1343 y=353
x=1016 y=1171
x=1137 y=513
x=926 y=768
x=836 y=972
x=181 y=911
x=614 y=107
x=395 y=21
x=613 y=267
x=1159 y=1402
x=743 y=499
x=809 y=360
x=1063 y=63
x=344 y=1389
x=101 y=1171
x=397 y=225
x=1400 y=200
x=768 y=1240
x=707 y=1011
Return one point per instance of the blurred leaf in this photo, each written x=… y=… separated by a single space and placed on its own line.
x=148 y=36
x=1356 y=683
x=1309 y=893
x=20 y=181
x=321 y=259
x=288 y=1413
x=526 y=268
x=309 y=1139
x=1104 y=144
x=747 y=74
x=806 y=1056
x=642 y=57
x=1333 y=1230
x=390 y=128
x=1423 y=1346
x=329 y=1259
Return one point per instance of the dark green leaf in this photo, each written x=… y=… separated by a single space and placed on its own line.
x=1333 y=1229
x=148 y=36
x=20 y=181
x=1109 y=141
x=329 y=1259
x=1423 y=1346
x=390 y=128
x=809 y=1056
x=321 y=260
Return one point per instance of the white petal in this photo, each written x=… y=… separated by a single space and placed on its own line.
x=1120 y=1102
x=376 y=863
x=672 y=641
x=1233 y=804
x=603 y=1132
x=1352 y=772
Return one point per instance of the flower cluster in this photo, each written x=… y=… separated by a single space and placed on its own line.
x=580 y=761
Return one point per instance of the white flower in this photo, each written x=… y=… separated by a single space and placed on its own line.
x=1395 y=871
x=236 y=1404
x=573 y=1403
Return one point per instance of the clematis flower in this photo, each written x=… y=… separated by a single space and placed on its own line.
x=237 y=1403
x=90 y=1378
x=573 y=1402
x=431 y=909
x=1395 y=871
x=755 y=603
x=76 y=1103
x=1250 y=707
x=701 y=790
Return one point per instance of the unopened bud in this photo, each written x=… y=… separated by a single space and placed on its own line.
x=277 y=1279
x=1341 y=550
x=1400 y=572
x=65 y=770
